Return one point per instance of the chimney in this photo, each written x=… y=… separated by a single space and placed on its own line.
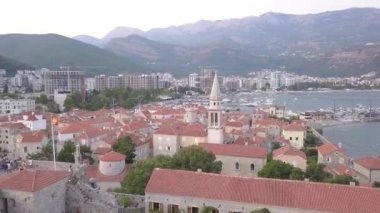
x=199 y=170
x=306 y=180
x=246 y=143
x=352 y=183
x=340 y=145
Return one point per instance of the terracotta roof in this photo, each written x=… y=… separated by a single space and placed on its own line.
x=31 y=180
x=289 y=151
x=234 y=124
x=33 y=137
x=102 y=150
x=13 y=125
x=369 y=162
x=294 y=127
x=112 y=157
x=235 y=150
x=328 y=148
x=286 y=193
x=92 y=171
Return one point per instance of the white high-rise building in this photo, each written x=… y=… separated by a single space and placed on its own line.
x=16 y=106
x=276 y=80
x=215 y=127
x=194 y=80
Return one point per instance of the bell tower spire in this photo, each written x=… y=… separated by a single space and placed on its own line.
x=215 y=127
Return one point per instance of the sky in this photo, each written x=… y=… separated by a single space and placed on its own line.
x=98 y=17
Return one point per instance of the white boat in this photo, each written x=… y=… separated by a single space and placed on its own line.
x=251 y=104
x=226 y=100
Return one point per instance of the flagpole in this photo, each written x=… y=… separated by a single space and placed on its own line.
x=52 y=138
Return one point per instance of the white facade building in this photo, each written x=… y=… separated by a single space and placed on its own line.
x=90 y=84
x=276 y=79
x=215 y=128
x=16 y=106
x=112 y=163
x=194 y=80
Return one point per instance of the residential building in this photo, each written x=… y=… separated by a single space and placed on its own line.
x=8 y=136
x=194 y=80
x=206 y=79
x=295 y=133
x=90 y=84
x=30 y=142
x=369 y=167
x=292 y=156
x=16 y=106
x=176 y=191
x=332 y=155
x=277 y=80
x=33 y=121
x=63 y=82
x=101 y=82
x=167 y=140
x=33 y=191
x=241 y=160
x=215 y=132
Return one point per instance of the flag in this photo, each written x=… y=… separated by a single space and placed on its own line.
x=54 y=120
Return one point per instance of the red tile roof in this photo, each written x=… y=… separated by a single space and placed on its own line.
x=31 y=180
x=102 y=150
x=92 y=171
x=13 y=125
x=112 y=157
x=369 y=162
x=289 y=151
x=328 y=148
x=294 y=127
x=235 y=150
x=292 y=194
x=33 y=137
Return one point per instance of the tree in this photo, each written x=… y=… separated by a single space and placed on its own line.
x=189 y=158
x=376 y=184
x=194 y=157
x=46 y=153
x=315 y=172
x=138 y=176
x=297 y=174
x=344 y=179
x=208 y=209
x=42 y=99
x=276 y=145
x=263 y=210
x=126 y=147
x=67 y=152
x=73 y=101
x=280 y=170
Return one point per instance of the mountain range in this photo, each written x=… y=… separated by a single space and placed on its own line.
x=336 y=43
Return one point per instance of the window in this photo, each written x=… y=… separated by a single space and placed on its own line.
x=216 y=118
x=168 y=148
x=109 y=165
x=25 y=149
x=38 y=147
x=296 y=138
x=252 y=167
x=290 y=138
x=329 y=159
x=237 y=166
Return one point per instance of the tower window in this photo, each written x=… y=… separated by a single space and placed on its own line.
x=237 y=166
x=216 y=118
x=252 y=167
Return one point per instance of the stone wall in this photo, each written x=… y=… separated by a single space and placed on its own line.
x=222 y=206
x=85 y=199
x=49 y=165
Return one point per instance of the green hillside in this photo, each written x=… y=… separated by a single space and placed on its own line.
x=54 y=51
x=12 y=65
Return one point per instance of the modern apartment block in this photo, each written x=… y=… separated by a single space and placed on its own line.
x=16 y=106
x=63 y=82
x=145 y=81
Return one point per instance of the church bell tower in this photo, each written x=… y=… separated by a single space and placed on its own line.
x=215 y=127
